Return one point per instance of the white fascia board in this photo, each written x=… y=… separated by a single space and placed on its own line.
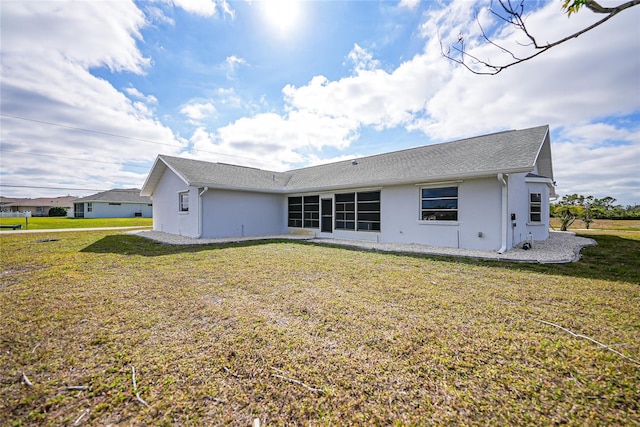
x=158 y=168
x=541 y=180
x=235 y=188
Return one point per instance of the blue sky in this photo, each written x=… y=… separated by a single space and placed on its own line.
x=92 y=92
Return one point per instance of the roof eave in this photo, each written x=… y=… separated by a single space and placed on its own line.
x=159 y=166
x=216 y=186
x=412 y=181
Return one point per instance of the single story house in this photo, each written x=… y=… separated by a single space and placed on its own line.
x=119 y=203
x=39 y=206
x=488 y=192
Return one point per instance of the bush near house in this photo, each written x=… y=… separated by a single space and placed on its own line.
x=57 y=211
x=298 y=334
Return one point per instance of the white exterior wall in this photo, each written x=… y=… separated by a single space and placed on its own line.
x=238 y=214
x=124 y=210
x=519 y=229
x=166 y=214
x=478 y=212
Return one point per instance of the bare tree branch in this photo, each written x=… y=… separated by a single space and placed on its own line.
x=515 y=16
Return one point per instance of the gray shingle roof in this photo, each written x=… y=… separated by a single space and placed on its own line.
x=128 y=195
x=63 y=201
x=199 y=173
x=504 y=152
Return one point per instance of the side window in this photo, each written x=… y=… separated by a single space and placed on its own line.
x=183 y=202
x=439 y=204
x=535 y=207
x=89 y=207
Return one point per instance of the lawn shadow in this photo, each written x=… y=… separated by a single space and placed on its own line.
x=614 y=258
x=126 y=244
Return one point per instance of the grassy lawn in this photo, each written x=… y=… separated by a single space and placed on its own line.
x=48 y=223
x=298 y=334
x=600 y=225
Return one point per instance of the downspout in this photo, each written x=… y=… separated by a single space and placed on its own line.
x=505 y=213
x=204 y=190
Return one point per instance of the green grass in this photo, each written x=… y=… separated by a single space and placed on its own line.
x=601 y=225
x=50 y=223
x=217 y=333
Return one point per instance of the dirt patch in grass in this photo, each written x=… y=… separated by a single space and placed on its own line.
x=301 y=334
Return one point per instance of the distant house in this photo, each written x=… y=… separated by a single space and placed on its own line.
x=488 y=192
x=124 y=203
x=38 y=207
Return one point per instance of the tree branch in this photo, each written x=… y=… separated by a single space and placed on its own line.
x=515 y=16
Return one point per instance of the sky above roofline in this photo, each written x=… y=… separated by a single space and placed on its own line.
x=92 y=92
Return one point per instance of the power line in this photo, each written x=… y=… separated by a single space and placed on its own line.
x=74 y=158
x=88 y=130
x=50 y=188
x=120 y=136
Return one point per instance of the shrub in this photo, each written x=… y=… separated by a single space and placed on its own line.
x=57 y=211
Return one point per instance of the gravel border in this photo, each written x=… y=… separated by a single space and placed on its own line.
x=560 y=247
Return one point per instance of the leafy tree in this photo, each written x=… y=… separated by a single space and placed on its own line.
x=587 y=210
x=513 y=14
x=568 y=209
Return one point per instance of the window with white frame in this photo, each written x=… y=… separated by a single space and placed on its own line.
x=439 y=204
x=183 y=202
x=89 y=207
x=535 y=207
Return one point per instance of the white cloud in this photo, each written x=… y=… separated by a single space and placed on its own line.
x=204 y=7
x=372 y=97
x=45 y=77
x=80 y=32
x=196 y=111
x=232 y=63
x=228 y=97
x=409 y=4
x=585 y=165
x=362 y=60
x=150 y=99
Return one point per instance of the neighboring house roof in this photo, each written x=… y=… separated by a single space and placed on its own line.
x=64 y=201
x=514 y=151
x=128 y=195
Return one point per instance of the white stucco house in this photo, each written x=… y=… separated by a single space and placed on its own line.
x=488 y=192
x=118 y=203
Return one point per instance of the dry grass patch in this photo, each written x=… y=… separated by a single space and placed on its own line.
x=298 y=334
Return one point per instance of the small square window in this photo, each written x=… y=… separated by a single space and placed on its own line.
x=183 y=202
